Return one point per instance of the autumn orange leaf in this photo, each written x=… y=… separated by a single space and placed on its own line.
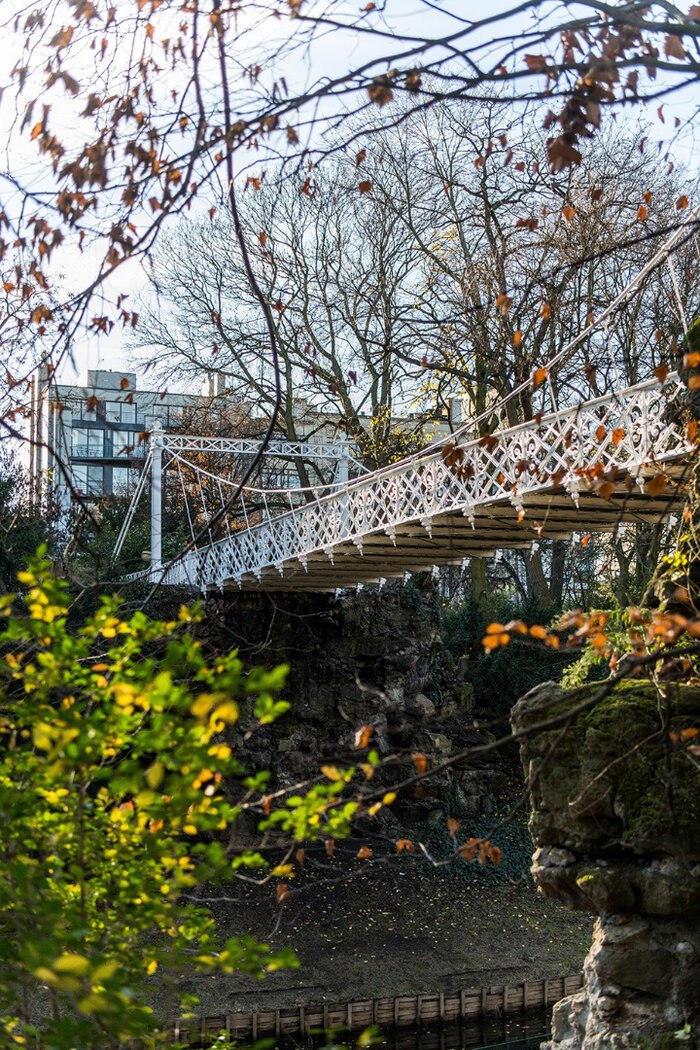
x=617 y=436
x=282 y=892
x=364 y=853
x=606 y=490
x=661 y=372
x=673 y=48
x=682 y=202
x=452 y=827
x=600 y=432
x=300 y=856
x=468 y=849
x=545 y=311
x=538 y=377
x=568 y=212
x=517 y=338
x=405 y=845
x=330 y=847
x=363 y=736
x=656 y=485
x=420 y=762
x=642 y=213
x=365 y=186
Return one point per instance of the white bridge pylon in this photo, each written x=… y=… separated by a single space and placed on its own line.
x=583 y=469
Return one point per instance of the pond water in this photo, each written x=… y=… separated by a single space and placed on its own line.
x=508 y=1032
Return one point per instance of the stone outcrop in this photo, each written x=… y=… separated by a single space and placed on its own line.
x=365 y=659
x=615 y=790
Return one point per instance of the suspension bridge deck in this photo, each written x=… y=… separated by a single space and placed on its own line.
x=619 y=458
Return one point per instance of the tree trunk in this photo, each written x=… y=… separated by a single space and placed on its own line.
x=556 y=574
x=478 y=567
x=536 y=580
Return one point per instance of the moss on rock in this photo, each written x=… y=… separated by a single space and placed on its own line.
x=612 y=777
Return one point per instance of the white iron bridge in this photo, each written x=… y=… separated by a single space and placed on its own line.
x=583 y=468
x=619 y=458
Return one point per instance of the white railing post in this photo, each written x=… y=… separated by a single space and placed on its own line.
x=156 y=499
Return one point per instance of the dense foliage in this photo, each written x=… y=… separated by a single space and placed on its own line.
x=118 y=798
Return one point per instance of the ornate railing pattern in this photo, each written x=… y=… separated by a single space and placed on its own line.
x=628 y=431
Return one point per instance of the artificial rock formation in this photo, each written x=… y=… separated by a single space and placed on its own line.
x=364 y=659
x=615 y=794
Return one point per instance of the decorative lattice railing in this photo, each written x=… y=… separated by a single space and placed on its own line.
x=628 y=434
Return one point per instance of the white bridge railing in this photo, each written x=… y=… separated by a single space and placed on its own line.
x=571 y=450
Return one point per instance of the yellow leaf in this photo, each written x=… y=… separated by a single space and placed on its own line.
x=331 y=772
x=154 y=774
x=42 y=735
x=69 y=963
x=105 y=971
x=389 y=798
x=202 y=705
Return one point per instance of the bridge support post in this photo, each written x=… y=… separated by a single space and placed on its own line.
x=156 y=501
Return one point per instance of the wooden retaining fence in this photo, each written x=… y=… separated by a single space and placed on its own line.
x=398 y=1012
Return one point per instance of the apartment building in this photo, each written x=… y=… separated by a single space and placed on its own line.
x=92 y=438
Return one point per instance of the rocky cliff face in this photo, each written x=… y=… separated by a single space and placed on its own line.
x=364 y=660
x=615 y=790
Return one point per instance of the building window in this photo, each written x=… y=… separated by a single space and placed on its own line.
x=123 y=480
x=86 y=410
x=124 y=442
x=88 y=480
x=120 y=412
x=87 y=442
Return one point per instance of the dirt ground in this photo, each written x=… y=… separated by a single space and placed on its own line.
x=362 y=930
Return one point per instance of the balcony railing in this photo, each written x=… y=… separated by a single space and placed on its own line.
x=137 y=451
